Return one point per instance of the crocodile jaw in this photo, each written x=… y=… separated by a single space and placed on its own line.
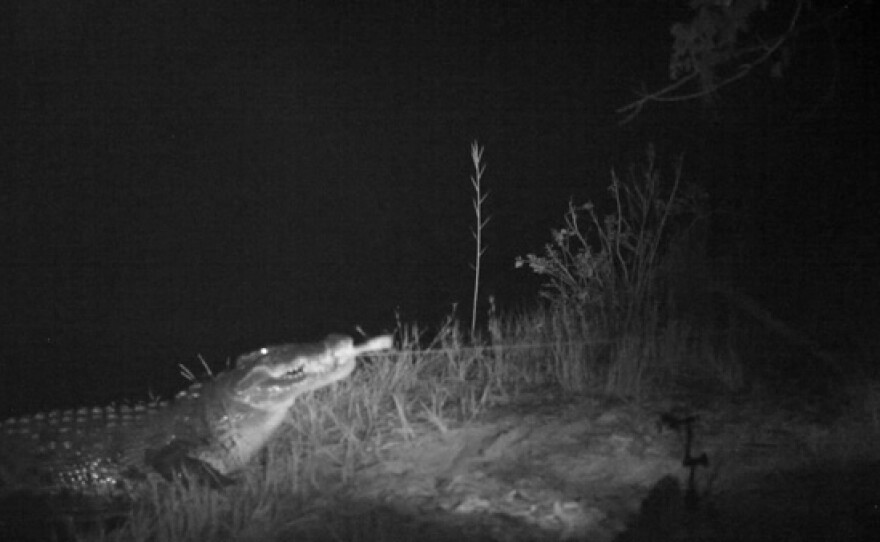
x=275 y=376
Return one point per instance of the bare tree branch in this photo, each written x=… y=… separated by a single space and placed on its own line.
x=709 y=86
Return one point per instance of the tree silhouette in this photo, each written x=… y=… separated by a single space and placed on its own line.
x=724 y=42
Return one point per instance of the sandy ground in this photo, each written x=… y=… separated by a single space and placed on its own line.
x=546 y=468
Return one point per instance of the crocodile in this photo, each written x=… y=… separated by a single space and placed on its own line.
x=210 y=431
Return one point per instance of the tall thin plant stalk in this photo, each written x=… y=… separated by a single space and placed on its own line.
x=479 y=198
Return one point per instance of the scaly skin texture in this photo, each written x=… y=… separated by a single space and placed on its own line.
x=211 y=430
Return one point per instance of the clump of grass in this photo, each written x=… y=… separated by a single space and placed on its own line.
x=616 y=280
x=610 y=267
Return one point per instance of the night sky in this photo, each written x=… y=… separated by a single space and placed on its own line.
x=183 y=178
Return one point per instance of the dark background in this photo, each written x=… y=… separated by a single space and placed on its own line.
x=209 y=177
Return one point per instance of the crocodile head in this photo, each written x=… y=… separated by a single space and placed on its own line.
x=273 y=376
x=251 y=401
